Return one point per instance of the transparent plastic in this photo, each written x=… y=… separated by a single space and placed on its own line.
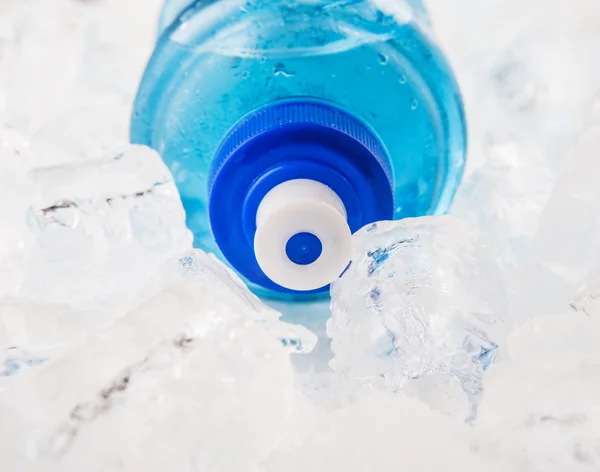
x=217 y=62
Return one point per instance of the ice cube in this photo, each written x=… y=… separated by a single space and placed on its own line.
x=195 y=378
x=100 y=228
x=421 y=297
x=198 y=267
x=88 y=132
x=505 y=198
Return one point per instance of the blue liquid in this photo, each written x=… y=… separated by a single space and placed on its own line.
x=219 y=62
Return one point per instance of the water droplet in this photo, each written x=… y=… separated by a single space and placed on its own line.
x=262 y=59
x=414 y=104
x=383 y=59
x=280 y=69
x=245 y=75
x=402 y=79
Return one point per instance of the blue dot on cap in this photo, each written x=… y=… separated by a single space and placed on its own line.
x=304 y=248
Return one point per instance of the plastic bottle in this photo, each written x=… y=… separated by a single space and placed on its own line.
x=290 y=124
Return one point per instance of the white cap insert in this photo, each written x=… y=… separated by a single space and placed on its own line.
x=297 y=207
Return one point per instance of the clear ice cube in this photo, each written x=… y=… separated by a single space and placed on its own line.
x=421 y=297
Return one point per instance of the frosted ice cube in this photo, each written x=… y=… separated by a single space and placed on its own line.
x=46 y=55
x=505 y=197
x=421 y=297
x=90 y=131
x=195 y=378
x=386 y=433
x=102 y=227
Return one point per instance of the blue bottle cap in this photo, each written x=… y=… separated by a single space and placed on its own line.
x=302 y=171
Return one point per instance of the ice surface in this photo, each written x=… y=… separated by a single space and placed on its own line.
x=557 y=340
x=386 y=433
x=57 y=57
x=541 y=411
x=568 y=241
x=505 y=198
x=88 y=132
x=421 y=297
x=566 y=247
x=551 y=422
x=15 y=192
x=587 y=296
x=195 y=378
x=32 y=333
x=100 y=228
